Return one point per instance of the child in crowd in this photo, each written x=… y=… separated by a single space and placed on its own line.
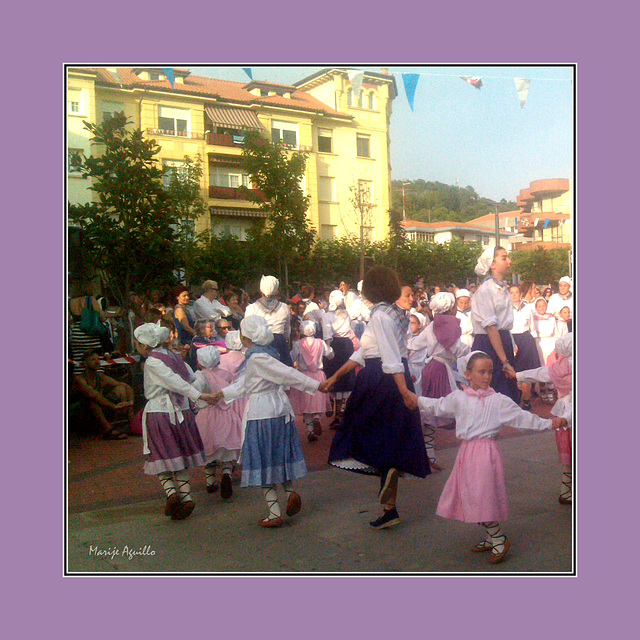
x=171 y=441
x=417 y=352
x=220 y=426
x=443 y=347
x=544 y=330
x=307 y=354
x=563 y=322
x=560 y=374
x=475 y=490
x=271 y=451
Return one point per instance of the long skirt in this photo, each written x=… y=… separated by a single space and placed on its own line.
x=499 y=381
x=173 y=446
x=527 y=356
x=436 y=384
x=280 y=345
x=221 y=432
x=343 y=350
x=475 y=490
x=271 y=453
x=378 y=432
x=304 y=403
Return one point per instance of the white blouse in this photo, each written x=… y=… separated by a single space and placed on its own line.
x=563 y=408
x=336 y=325
x=543 y=327
x=279 y=320
x=296 y=356
x=263 y=382
x=466 y=326
x=380 y=340
x=522 y=318
x=492 y=306
x=556 y=302
x=480 y=417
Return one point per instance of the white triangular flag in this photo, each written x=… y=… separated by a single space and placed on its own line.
x=355 y=78
x=522 y=87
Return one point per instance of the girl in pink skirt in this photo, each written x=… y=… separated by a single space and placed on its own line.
x=220 y=426
x=307 y=354
x=559 y=373
x=475 y=490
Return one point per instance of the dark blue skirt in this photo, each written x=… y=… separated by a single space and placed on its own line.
x=377 y=429
x=342 y=349
x=499 y=381
x=280 y=345
x=527 y=356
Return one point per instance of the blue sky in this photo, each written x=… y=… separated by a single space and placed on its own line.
x=456 y=132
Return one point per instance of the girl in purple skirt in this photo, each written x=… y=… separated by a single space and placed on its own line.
x=171 y=441
x=475 y=490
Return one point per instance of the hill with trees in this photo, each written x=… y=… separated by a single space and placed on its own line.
x=435 y=201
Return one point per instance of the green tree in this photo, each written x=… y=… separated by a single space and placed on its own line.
x=277 y=173
x=129 y=226
x=541 y=265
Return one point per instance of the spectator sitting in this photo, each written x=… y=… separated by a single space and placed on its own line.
x=205 y=336
x=237 y=312
x=207 y=307
x=223 y=326
x=97 y=392
x=81 y=342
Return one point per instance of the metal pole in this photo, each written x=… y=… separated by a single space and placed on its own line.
x=497 y=227
x=404 y=213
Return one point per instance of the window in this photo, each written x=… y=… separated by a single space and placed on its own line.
x=365 y=190
x=326 y=189
x=361 y=99
x=325 y=140
x=74 y=160
x=110 y=109
x=155 y=75
x=170 y=168
x=175 y=122
x=285 y=132
x=228 y=177
x=74 y=101
x=364 y=150
x=372 y=100
x=350 y=97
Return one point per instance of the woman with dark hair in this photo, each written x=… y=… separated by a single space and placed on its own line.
x=381 y=433
x=81 y=296
x=182 y=316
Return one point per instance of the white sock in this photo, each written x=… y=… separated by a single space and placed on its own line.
x=496 y=537
x=288 y=487
x=308 y=420
x=428 y=433
x=210 y=474
x=182 y=481
x=566 y=486
x=227 y=468
x=166 y=480
x=271 y=496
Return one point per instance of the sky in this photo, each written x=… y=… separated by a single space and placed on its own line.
x=457 y=134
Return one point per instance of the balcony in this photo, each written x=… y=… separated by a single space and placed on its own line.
x=225 y=139
x=175 y=134
x=235 y=193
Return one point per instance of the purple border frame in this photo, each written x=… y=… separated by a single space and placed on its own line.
x=43 y=599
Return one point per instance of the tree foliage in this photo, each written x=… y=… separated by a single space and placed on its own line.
x=540 y=265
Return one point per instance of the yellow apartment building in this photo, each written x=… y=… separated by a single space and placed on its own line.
x=346 y=137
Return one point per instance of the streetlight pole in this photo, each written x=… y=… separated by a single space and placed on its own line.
x=404 y=211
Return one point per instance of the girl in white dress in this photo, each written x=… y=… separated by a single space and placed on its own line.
x=544 y=329
x=463 y=300
x=475 y=490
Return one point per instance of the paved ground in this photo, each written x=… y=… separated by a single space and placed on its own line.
x=115 y=520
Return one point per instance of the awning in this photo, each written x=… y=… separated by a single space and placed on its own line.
x=232 y=117
x=237 y=213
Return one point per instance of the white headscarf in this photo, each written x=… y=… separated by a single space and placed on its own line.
x=359 y=287
x=256 y=329
x=151 y=334
x=233 y=341
x=462 y=293
x=308 y=328
x=463 y=361
x=564 y=345
x=209 y=357
x=421 y=319
x=568 y=280
x=442 y=302
x=269 y=285
x=483 y=265
x=336 y=300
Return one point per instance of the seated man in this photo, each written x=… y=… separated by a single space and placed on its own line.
x=95 y=391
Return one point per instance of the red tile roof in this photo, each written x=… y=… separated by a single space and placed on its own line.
x=213 y=88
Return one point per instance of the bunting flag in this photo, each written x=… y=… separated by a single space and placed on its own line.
x=248 y=71
x=474 y=82
x=516 y=225
x=535 y=222
x=355 y=78
x=410 y=83
x=171 y=77
x=546 y=223
x=522 y=87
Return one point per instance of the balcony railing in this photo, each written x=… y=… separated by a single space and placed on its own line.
x=176 y=134
x=235 y=193
x=225 y=139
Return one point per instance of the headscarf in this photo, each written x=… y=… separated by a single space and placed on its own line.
x=151 y=334
x=463 y=361
x=462 y=293
x=359 y=287
x=483 y=266
x=568 y=280
x=308 y=328
x=546 y=314
x=336 y=300
x=233 y=341
x=269 y=286
x=561 y=370
x=257 y=330
x=442 y=302
x=564 y=345
x=421 y=319
x=446 y=329
x=209 y=357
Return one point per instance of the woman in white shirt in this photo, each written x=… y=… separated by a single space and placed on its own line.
x=463 y=300
x=276 y=313
x=492 y=318
x=381 y=433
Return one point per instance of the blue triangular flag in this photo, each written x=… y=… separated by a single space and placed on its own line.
x=410 y=83
x=171 y=77
x=546 y=223
x=247 y=70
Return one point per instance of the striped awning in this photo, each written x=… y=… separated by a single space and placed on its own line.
x=232 y=117
x=235 y=212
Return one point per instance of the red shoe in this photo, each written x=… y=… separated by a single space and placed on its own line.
x=311 y=437
x=317 y=427
x=173 y=504
x=270 y=523
x=294 y=504
x=499 y=557
x=185 y=510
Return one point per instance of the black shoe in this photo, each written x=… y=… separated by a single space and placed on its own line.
x=526 y=405
x=387 y=519
x=226 y=490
